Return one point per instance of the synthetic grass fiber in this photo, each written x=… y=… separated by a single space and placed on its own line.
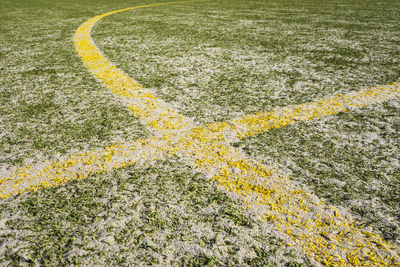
x=391 y=237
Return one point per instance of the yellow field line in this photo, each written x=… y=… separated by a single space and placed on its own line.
x=254 y=124
x=81 y=165
x=324 y=233
x=152 y=111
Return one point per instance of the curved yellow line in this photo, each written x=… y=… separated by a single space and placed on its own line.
x=162 y=117
x=323 y=232
x=291 y=209
x=152 y=111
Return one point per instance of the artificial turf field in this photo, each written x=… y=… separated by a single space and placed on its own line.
x=212 y=61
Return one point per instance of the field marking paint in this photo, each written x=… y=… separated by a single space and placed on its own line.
x=153 y=112
x=81 y=165
x=325 y=233
x=258 y=123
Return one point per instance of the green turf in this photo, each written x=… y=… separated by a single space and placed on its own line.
x=162 y=214
x=216 y=60
x=49 y=102
x=213 y=60
x=351 y=160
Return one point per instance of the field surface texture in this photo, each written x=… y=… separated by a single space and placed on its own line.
x=207 y=132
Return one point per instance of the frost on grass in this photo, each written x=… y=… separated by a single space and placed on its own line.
x=162 y=214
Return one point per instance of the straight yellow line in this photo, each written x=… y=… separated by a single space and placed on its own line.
x=209 y=149
x=324 y=233
x=80 y=166
x=258 y=123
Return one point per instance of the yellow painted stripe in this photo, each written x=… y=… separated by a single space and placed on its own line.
x=254 y=124
x=323 y=232
x=209 y=149
x=80 y=166
x=152 y=111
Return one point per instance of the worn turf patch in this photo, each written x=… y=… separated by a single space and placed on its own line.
x=217 y=60
x=165 y=213
x=332 y=238
x=49 y=104
x=349 y=159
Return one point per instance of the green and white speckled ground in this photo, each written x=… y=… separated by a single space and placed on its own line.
x=213 y=61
